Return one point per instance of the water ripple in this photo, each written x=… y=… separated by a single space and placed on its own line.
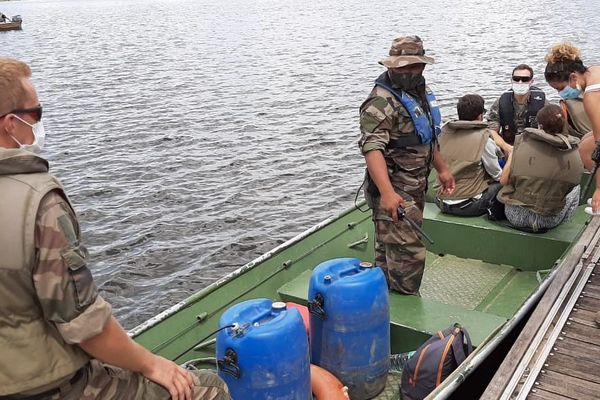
x=194 y=135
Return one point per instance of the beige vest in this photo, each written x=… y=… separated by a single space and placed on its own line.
x=544 y=169
x=579 y=122
x=32 y=352
x=461 y=145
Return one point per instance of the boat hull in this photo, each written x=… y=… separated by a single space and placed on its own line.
x=10 y=26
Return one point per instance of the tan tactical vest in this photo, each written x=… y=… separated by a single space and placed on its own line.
x=461 y=145
x=32 y=352
x=544 y=169
x=579 y=122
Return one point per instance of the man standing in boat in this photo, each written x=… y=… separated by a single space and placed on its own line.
x=515 y=109
x=57 y=334
x=399 y=123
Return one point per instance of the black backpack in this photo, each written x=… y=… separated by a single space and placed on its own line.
x=434 y=361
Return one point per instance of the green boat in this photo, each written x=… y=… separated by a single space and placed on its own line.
x=486 y=276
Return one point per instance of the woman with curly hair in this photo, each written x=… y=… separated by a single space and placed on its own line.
x=579 y=87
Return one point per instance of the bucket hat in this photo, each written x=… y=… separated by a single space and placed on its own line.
x=406 y=50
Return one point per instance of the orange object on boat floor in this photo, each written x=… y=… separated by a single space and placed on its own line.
x=325 y=386
x=303 y=312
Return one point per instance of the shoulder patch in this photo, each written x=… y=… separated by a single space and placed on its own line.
x=380 y=103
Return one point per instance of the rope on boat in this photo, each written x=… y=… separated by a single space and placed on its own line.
x=205 y=338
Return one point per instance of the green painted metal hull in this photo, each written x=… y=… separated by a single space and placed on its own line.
x=477 y=273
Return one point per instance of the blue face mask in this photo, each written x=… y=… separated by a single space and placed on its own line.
x=569 y=93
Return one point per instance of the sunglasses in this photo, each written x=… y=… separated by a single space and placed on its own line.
x=36 y=111
x=521 y=78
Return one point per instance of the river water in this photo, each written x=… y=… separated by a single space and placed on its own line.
x=194 y=135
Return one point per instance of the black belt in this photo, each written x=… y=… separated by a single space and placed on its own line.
x=48 y=393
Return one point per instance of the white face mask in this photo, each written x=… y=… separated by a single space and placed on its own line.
x=520 y=88
x=39 y=137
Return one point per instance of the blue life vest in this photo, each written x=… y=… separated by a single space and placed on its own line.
x=427 y=129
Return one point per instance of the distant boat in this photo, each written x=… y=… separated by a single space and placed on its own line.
x=13 y=25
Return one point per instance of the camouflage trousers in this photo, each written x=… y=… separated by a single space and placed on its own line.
x=104 y=382
x=398 y=248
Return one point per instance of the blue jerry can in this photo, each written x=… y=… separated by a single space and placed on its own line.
x=265 y=355
x=350 y=324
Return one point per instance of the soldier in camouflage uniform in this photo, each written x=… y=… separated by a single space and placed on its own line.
x=55 y=329
x=515 y=109
x=399 y=124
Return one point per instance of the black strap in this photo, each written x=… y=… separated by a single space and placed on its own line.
x=596 y=154
x=458 y=349
x=404 y=141
x=48 y=393
x=508 y=128
x=596 y=160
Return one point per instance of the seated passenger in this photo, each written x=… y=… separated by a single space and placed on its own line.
x=516 y=108
x=541 y=178
x=58 y=338
x=468 y=148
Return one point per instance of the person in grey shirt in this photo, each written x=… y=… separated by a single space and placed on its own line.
x=472 y=156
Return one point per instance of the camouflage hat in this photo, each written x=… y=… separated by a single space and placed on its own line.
x=406 y=50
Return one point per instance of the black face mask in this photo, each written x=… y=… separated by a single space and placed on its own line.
x=407 y=81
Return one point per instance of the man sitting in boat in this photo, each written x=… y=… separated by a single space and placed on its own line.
x=3 y=18
x=471 y=154
x=541 y=178
x=56 y=331
x=516 y=109
x=399 y=123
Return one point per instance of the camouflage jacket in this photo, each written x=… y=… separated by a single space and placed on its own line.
x=48 y=300
x=64 y=284
x=383 y=118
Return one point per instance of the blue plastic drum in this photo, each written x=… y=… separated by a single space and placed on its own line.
x=265 y=355
x=350 y=324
